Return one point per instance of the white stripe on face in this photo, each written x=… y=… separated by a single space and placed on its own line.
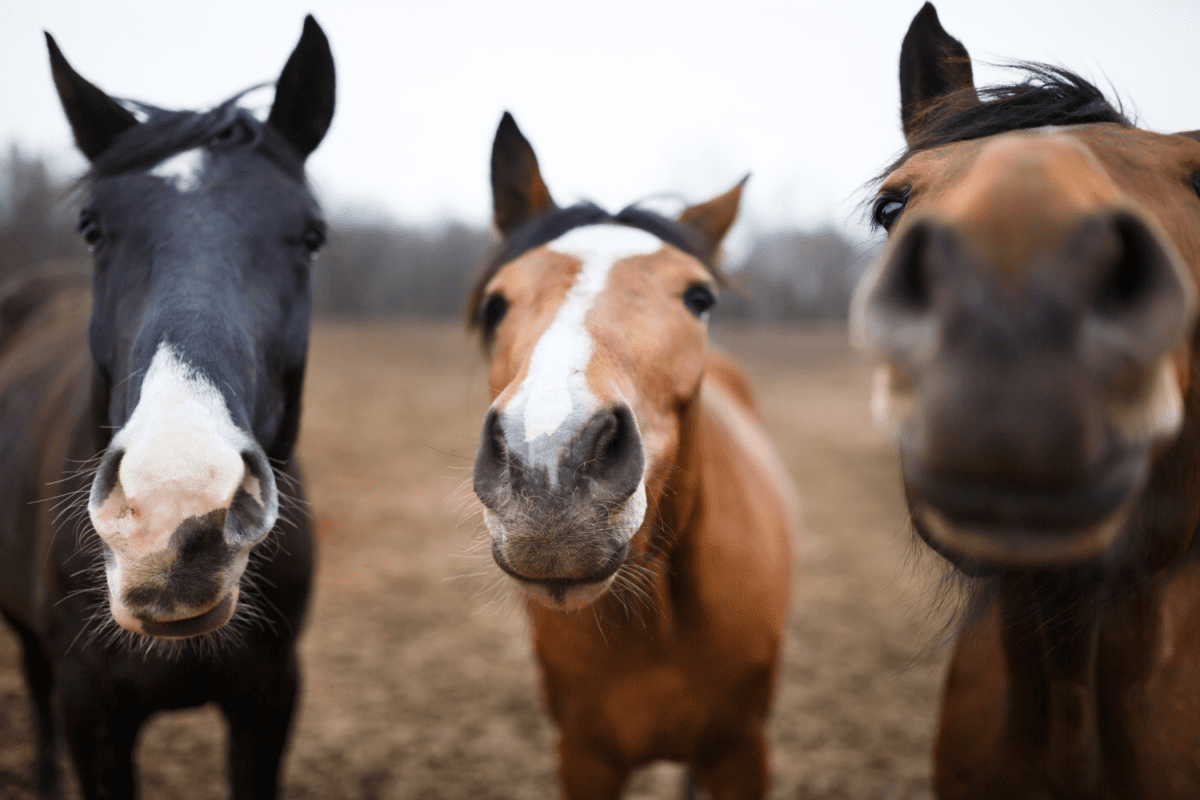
x=182 y=170
x=555 y=388
x=182 y=458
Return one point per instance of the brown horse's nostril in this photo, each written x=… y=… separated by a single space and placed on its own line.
x=608 y=451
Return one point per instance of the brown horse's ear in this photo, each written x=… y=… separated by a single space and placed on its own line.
x=518 y=192
x=96 y=119
x=1190 y=134
x=304 y=93
x=933 y=64
x=713 y=218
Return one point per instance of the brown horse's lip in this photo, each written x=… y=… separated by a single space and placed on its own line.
x=560 y=585
x=210 y=620
x=1006 y=525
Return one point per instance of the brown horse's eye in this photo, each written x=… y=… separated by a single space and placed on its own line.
x=490 y=315
x=887 y=209
x=1196 y=182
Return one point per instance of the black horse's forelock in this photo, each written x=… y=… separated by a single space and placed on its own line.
x=1047 y=95
x=553 y=224
x=165 y=133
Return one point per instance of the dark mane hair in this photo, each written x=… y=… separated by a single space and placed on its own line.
x=164 y=133
x=1047 y=96
x=553 y=224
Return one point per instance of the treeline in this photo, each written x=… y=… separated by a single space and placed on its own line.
x=381 y=268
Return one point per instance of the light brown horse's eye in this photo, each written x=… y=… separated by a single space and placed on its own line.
x=491 y=313
x=699 y=299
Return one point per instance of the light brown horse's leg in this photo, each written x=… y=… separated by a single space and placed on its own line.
x=587 y=774
x=738 y=770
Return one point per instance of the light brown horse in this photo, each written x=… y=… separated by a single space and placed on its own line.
x=1034 y=316
x=628 y=487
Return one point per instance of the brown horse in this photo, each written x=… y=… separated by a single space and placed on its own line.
x=628 y=487
x=1034 y=315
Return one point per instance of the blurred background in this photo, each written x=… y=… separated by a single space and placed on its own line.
x=624 y=101
x=419 y=682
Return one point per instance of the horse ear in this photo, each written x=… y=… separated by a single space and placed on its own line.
x=96 y=119
x=713 y=218
x=933 y=64
x=518 y=192
x=304 y=93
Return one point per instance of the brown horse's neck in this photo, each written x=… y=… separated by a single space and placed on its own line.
x=1068 y=655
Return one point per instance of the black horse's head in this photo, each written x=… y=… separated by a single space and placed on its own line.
x=203 y=232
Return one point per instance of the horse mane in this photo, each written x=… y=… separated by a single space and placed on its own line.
x=547 y=227
x=163 y=133
x=1047 y=95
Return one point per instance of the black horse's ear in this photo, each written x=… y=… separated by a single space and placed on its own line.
x=712 y=219
x=96 y=119
x=518 y=192
x=304 y=93
x=933 y=64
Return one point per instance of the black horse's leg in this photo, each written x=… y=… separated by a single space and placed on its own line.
x=101 y=725
x=259 y=713
x=39 y=676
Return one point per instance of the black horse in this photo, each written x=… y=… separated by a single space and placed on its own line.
x=147 y=557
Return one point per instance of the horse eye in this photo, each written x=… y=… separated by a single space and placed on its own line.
x=232 y=134
x=492 y=312
x=887 y=209
x=91 y=231
x=1196 y=182
x=313 y=239
x=699 y=299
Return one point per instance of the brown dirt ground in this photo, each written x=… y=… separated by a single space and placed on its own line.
x=419 y=681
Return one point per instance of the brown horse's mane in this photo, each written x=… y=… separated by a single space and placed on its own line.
x=553 y=224
x=1048 y=95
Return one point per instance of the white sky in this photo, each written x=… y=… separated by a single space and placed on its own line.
x=621 y=99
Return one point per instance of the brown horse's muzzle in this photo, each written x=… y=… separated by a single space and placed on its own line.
x=1028 y=395
x=561 y=514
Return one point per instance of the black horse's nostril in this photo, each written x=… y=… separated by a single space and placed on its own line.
x=107 y=475
x=608 y=451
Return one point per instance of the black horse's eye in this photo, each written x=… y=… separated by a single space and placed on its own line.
x=89 y=228
x=235 y=133
x=491 y=313
x=313 y=239
x=887 y=209
x=699 y=299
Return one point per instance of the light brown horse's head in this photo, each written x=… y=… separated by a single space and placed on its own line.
x=1032 y=310
x=595 y=325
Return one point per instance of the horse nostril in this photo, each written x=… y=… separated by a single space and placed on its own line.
x=609 y=450
x=492 y=458
x=1133 y=270
x=107 y=477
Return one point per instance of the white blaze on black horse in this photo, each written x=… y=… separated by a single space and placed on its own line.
x=183 y=390
x=1034 y=316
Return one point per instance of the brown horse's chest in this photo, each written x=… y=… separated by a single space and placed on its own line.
x=995 y=736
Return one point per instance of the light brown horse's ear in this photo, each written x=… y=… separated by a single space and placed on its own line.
x=933 y=64
x=96 y=119
x=518 y=192
x=713 y=218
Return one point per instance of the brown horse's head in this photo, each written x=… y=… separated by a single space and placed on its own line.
x=1032 y=310
x=596 y=328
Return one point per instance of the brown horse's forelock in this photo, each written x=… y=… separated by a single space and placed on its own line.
x=1048 y=95
x=550 y=226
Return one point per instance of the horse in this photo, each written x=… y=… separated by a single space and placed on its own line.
x=628 y=488
x=155 y=554
x=1033 y=315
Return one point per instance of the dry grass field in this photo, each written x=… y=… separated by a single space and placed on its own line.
x=419 y=682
